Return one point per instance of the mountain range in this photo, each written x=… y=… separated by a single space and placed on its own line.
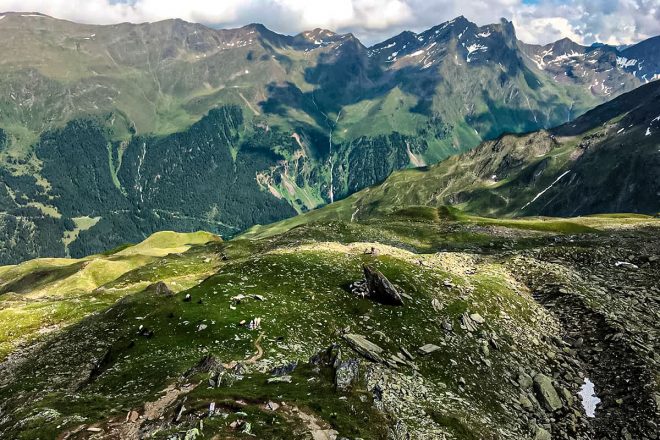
x=386 y=315
x=239 y=234
x=605 y=161
x=110 y=133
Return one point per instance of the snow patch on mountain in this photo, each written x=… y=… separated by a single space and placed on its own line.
x=623 y=62
x=573 y=55
x=461 y=34
x=472 y=48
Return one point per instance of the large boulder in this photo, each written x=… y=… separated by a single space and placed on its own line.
x=546 y=393
x=379 y=288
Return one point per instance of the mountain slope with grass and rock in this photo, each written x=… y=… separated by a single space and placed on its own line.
x=423 y=323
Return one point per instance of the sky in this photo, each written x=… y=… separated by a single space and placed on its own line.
x=615 y=22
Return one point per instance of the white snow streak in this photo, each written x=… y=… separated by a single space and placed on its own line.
x=542 y=192
x=354 y=214
x=416 y=54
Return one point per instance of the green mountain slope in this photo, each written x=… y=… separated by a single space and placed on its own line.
x=500 y=323
x=109 y=133
x=606 y=161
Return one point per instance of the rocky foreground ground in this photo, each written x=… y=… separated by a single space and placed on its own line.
x=408 y=326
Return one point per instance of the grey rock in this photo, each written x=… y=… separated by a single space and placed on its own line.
x=380 y=288
x=279 y=379
x=347 y=374
x=546 y=392
x=407 y=354
x=428 y=348
x=526 y=403
x=477 y=318
x=365 y=347
x=542 y=434
x=160 y=288
x=192 y=434
x=284 y=370
x=207 y=364
x=525 y=381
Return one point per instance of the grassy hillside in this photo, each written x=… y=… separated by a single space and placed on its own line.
x=41 y=296
x=91 y=351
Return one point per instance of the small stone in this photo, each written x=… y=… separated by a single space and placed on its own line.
x=407 y=354
x=477 y=318
x=626 y=264
x=192 y=434
x=525 y=381
x=428 y=349
x=526 y=403
x=271 y=406
x=279 y=379
x=542 y=434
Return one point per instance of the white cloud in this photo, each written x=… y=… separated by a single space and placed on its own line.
x=585 y=21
